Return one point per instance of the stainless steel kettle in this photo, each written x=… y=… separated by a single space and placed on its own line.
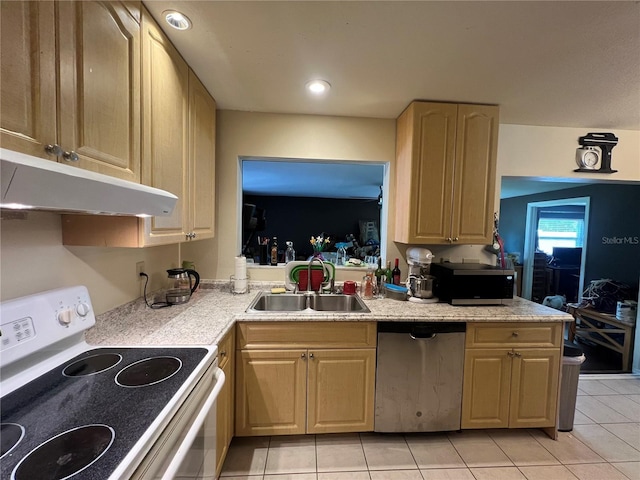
x=180 y=285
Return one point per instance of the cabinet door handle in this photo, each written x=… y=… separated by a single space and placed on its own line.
x=303 y=355
x=455 y=239
x=223 y=353
x=54 y=149
x=510 y=354
x=193 y=235
x=70 y=156
x=311 y=355
x=448 y=239
x=517 y=354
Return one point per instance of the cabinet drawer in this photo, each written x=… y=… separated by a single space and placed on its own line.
x=524 y=334
x=225 y=349
x=263 y=335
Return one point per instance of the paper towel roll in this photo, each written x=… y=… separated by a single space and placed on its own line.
x=240 y=277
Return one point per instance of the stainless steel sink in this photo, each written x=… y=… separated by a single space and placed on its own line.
x=267 y=302
x=337 y=303
x=288 y=302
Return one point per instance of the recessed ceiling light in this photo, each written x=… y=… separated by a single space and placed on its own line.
x=177 y=20
x=318 y=87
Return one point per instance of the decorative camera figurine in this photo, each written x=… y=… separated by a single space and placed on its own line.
x=594 y=156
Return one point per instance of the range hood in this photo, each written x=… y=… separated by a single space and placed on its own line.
x=34 y=183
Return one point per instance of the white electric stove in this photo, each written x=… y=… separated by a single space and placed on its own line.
x=73 y=411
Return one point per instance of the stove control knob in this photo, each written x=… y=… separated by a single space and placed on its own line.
x=65 y=317
x=82 y=309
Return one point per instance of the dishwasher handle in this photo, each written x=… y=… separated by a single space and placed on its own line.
x=422 y=336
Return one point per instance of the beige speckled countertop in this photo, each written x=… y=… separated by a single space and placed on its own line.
x=213 y=310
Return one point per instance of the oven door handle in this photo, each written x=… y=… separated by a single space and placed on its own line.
x=182 y=451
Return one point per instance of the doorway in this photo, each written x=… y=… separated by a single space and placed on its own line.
x=559 y=226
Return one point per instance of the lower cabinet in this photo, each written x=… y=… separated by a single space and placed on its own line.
x=323 y=383
x=511 y=375
x=225 y=403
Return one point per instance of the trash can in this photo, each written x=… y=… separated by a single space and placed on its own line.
x=572 y=359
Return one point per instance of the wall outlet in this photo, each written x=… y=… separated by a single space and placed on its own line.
x=139 y=270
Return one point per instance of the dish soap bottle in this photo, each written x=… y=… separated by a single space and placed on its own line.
x=290 y=253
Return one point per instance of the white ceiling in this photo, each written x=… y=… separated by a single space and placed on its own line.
x=554 y=63
x=559 y=63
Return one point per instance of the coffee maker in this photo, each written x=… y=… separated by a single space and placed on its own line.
x=419 y=282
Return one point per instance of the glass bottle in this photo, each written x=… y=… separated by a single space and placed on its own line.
x=290 y=253
x=396 y=274
x=274 y=251
x=341 y=256
x=388 y=274
x=366 y=287
x=379 y=277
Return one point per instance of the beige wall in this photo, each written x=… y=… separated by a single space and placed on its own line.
x=309 y=137
x=531 y=151
x=34 y=260
x=33 y=257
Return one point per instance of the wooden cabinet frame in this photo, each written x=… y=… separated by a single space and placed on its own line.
x=305 y=377
x=71 y=77
x=512 y=375
x=446 y=154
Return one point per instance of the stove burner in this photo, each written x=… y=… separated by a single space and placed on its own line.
x=92 y=365
x=10 y=436
x=65 y=454
x=148 y=371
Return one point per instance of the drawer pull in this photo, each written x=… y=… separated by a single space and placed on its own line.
x=514 y=334
x=54 y=149
x=70 y=156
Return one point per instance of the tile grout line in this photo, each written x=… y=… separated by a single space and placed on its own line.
x=364 y=455
x=404 y=437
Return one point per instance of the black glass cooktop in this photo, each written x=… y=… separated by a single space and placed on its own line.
x=80 y=419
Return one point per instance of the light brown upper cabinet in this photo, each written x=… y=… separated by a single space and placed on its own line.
x=70 y=82
x=445 y=173
x=178 y=155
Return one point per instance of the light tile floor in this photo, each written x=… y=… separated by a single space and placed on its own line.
x=604 y=445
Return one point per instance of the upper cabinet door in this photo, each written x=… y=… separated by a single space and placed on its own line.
x=27 y=78
x=475 y=174
x=445 y=173
x=433 y=171
x=164 y=146
x=99 y=85
x=202 y=155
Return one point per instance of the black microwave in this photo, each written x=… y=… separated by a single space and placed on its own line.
x=472 y=284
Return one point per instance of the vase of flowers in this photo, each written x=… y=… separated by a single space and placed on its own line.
x=319 y=243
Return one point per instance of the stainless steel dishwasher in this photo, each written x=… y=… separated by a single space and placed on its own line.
x=419 y=376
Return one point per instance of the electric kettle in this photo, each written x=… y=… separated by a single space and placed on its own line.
x=180 y=285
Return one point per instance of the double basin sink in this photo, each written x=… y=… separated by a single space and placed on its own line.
x=315 y=303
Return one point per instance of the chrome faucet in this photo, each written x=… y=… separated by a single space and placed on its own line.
x=309 y=272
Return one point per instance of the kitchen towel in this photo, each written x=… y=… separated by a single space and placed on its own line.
x=240 y=277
